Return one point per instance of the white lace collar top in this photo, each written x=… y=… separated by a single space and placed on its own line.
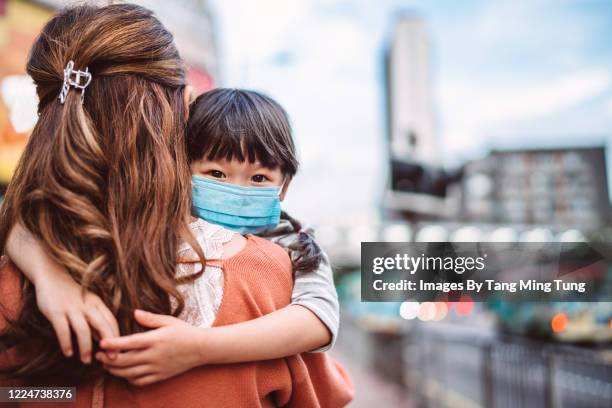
x=203 y=296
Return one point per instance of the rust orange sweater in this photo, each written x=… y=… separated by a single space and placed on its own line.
x=258 y=280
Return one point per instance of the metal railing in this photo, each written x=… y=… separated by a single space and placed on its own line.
x=441 y=371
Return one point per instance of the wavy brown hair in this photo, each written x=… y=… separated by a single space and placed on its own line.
x=104 y=185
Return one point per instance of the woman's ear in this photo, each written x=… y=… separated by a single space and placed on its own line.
x=188 y=95
x=284 y=189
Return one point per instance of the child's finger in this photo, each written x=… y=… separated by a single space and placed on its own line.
x=126 y=372
x=130 y=342
x=128 y=359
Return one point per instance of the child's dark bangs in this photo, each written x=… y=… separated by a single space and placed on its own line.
x=223 y=145
x=243 y=136
x=231 y=124
x=258 y=150
x=232 y=143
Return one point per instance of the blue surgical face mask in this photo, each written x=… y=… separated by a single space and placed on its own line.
x=247 y=210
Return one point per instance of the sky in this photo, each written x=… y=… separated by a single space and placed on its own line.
x=523 y=73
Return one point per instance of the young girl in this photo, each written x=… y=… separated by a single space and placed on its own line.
x=242 y=158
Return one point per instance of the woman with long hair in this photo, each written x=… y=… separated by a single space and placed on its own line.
x=104 y=182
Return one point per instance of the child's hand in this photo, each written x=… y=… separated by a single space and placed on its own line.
x=172 y=348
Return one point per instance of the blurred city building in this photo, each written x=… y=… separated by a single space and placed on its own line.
x=562 y=187
x=469 y=354
x=409 y=93
x=418 y=184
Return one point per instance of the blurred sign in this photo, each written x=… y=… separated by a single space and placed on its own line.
x=20 y=23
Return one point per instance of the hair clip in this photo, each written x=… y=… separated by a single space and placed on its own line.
x=81 y=81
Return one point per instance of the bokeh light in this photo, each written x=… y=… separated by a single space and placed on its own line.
x=427 y=311
x=465 y=306
x=559 y=322
x=409 y=310
x=441 y=311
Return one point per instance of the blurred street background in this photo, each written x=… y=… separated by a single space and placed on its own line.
x=418 y=121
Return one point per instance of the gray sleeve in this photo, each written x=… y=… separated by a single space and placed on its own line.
x=316 y=291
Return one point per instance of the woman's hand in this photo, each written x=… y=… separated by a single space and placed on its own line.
x=64 y=303
x=172 y=348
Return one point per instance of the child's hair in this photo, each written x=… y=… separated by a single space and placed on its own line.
x=305 y=254
x=242 y=124
x=247 y=125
